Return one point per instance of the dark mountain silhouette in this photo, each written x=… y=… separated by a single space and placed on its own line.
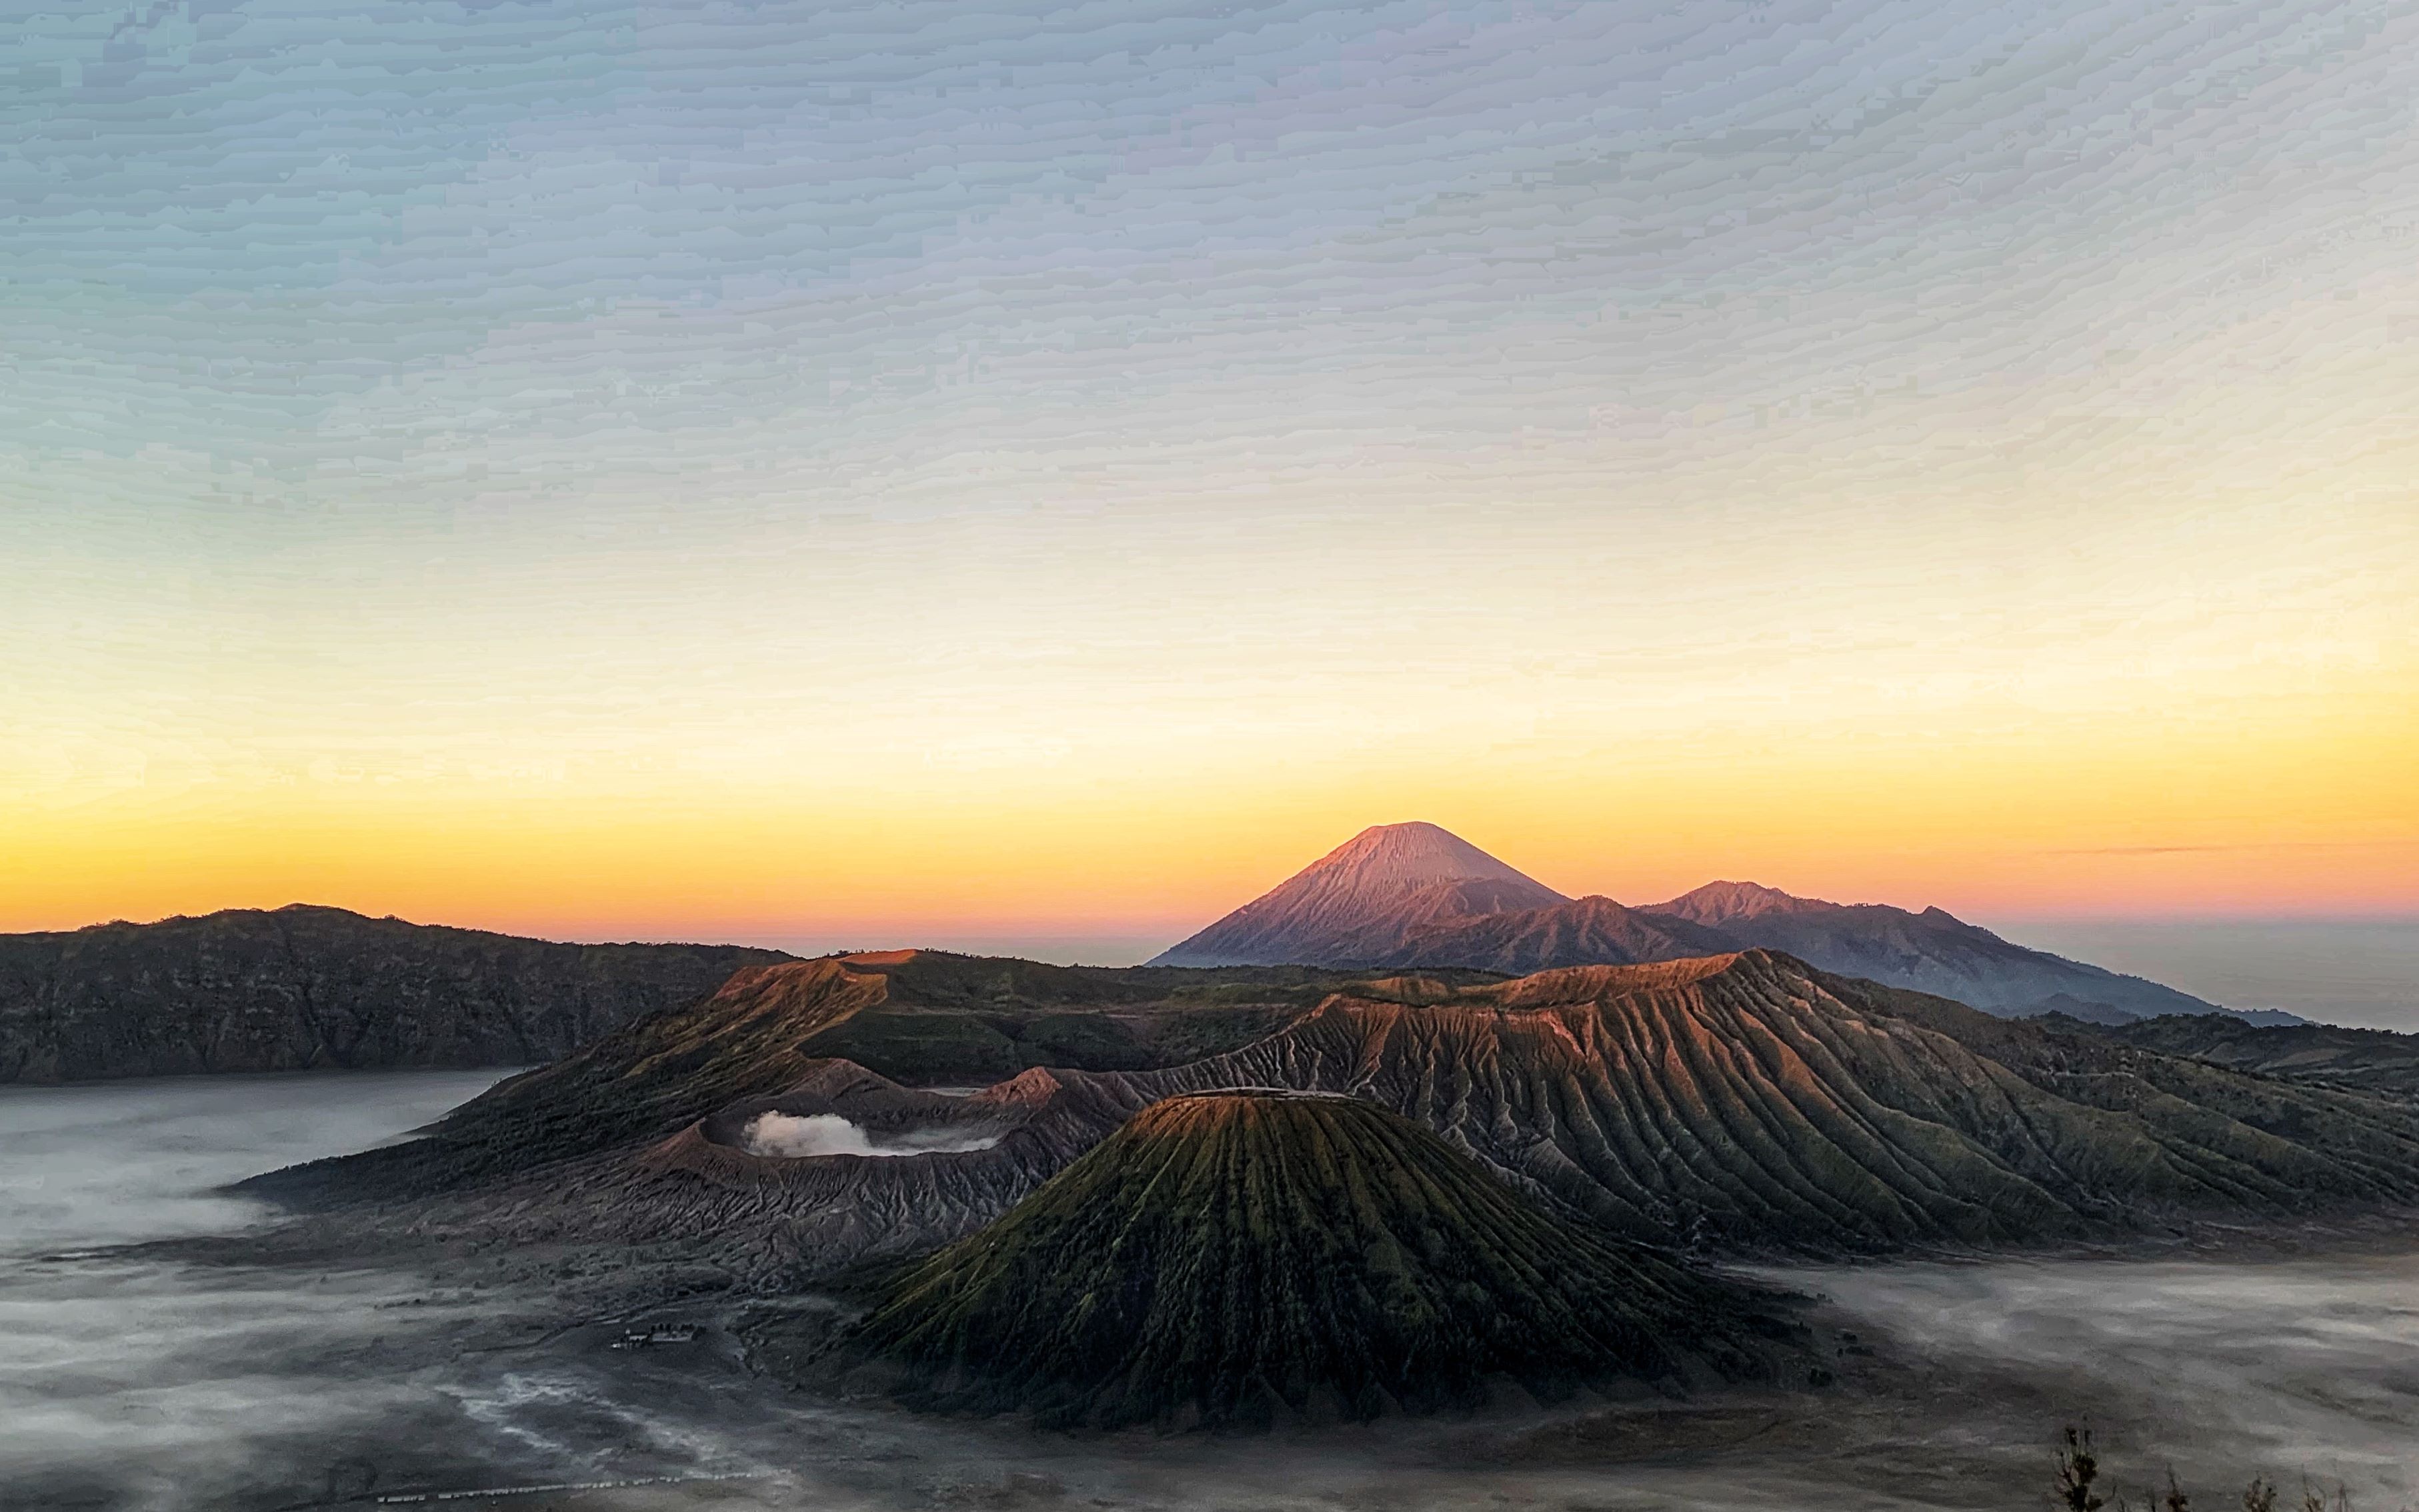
x=1740 y=1104
x=1406 y=896
x=1343 y=907
x=305 y=987
x=1227 y=1259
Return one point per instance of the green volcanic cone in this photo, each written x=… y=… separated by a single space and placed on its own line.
x=1231 y=1258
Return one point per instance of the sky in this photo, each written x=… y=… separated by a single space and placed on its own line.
x=873 y=472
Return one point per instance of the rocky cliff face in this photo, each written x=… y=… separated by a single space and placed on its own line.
x=301 y=988
x=1743 y=1105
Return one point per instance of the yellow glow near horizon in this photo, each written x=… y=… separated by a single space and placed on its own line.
x=2211 y=707
x=2304 y=813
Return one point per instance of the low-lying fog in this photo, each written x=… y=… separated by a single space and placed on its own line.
x=143 y=1379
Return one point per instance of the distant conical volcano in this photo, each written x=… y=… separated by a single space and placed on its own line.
x=1358 y=900
x=1233 y=1258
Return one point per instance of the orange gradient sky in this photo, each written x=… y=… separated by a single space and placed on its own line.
x=1966 y=456
x=2287 y=799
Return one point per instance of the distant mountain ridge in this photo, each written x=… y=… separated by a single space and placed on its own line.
x=303 y=987
x=1931 y=951
x=1406 y=896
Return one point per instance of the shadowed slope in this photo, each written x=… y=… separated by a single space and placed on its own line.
x=1228 y=1258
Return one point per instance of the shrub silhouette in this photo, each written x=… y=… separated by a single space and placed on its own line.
x=2078 y=1476
x=2077 y=1468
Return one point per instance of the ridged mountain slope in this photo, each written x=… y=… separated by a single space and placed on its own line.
x=1745 y=1104
x=1227 y=1259
x=918 y=1016
x=1749 y=1101
x=301 y=988
x=1344 y=908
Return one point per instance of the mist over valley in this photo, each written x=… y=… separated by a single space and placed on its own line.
x=192 y=1376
